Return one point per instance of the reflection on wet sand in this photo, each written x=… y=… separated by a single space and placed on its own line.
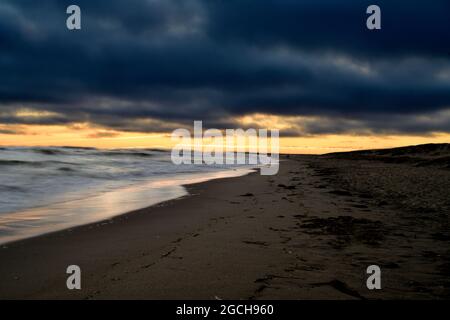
x=67 y=214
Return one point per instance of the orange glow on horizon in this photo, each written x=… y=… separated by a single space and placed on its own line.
x=85 y=135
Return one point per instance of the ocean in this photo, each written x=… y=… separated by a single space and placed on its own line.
x=49 y=189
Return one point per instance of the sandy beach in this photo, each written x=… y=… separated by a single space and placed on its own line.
x=308 y=232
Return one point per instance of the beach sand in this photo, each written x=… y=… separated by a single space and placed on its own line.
x=309 y=232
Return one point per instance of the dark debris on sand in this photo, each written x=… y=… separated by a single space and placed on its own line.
x=347 y=229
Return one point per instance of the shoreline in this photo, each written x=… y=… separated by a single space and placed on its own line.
x=295 y=235
x=178 y=189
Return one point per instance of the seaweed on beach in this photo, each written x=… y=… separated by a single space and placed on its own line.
x=347 y=228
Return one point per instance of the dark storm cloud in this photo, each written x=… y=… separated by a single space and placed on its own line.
x=175 y=61
x=408 y=27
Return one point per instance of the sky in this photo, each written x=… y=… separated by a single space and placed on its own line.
x=138 y=69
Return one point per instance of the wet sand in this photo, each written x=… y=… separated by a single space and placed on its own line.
x=309 y=232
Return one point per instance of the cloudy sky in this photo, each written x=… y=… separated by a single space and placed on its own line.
x=140 y=68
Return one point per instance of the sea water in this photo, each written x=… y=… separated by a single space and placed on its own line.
x=49 y=189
